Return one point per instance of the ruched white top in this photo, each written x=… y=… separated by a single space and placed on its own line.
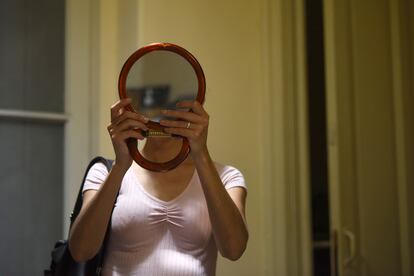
x=150 y=236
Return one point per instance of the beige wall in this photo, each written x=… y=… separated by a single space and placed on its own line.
x=225 y=37
x=227 y=40
x=252 y=55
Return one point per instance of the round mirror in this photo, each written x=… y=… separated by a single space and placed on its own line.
x=156 y=77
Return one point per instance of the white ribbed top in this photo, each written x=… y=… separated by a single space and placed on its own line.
x=153 y=237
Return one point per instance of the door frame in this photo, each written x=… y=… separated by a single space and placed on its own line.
x=78 y=87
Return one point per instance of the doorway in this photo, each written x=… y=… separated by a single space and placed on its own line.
x=31 y=133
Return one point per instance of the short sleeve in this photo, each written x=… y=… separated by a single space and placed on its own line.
x=95 y=177
x=231 y=177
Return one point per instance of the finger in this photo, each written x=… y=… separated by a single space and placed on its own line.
x=130 y=124
x=130 y=115
x=195 y=106
x=184 y=115
x=177 y=124
x=116 y=108
x=122 y=136
x=185 y=132
x=170 y=123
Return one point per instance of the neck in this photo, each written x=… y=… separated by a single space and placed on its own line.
x=163 y=149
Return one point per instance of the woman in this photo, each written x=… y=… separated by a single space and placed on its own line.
x=169 y=223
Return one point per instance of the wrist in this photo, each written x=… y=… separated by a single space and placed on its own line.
x=119 y=167
x=202 y=156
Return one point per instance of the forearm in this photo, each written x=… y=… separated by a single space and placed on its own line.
x=228 y=225
x=88 y=230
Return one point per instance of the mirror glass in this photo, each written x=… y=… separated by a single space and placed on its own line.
x=158 y=80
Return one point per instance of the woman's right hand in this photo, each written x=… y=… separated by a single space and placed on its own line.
x=122 y=127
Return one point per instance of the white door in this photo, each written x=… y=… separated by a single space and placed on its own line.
x=368 y=212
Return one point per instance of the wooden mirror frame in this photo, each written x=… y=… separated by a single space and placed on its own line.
x=132 y=143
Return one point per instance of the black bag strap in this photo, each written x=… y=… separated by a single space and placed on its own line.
x=78 y=205
x=79 y=200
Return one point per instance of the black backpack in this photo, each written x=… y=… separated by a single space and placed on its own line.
x=62 y=263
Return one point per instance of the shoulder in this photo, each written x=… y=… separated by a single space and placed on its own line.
x=225 y=169
x=230 y=176
x=97 y=169
x=95 y=176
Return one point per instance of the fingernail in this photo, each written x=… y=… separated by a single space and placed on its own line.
x=143 y=128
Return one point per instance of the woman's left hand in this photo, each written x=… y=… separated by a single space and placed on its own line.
x=191 y=125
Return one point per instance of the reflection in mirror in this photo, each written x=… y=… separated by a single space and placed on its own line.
x=158 y=80
x=163 y=149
